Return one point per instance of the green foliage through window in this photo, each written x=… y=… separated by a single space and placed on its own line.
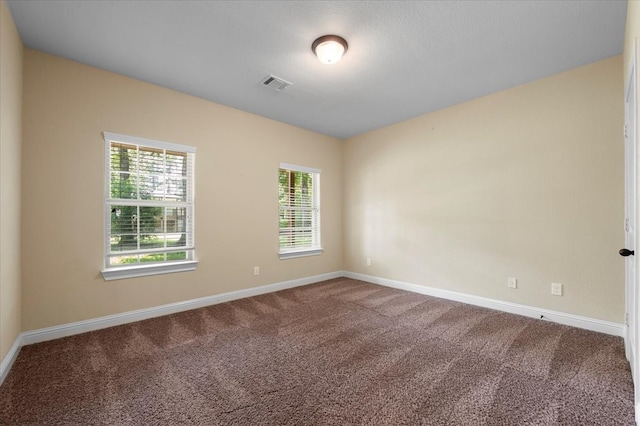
x=298 y=199
x=148 y=204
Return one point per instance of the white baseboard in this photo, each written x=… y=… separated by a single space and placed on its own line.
x=601 y=326
x=70 y=329
x=64 y=330
x=10 y=358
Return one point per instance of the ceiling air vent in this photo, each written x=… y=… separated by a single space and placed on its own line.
x=275 y=83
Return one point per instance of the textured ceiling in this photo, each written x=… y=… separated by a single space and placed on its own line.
x=404 y=59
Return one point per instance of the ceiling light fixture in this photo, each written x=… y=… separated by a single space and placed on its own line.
x=329 y=48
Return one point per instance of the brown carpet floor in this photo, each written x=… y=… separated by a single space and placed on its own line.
x=339 y=352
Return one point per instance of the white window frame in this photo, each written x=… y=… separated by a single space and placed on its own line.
x=111 y=272
x=316 y=245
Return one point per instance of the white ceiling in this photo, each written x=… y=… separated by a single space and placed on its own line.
x=405 y=58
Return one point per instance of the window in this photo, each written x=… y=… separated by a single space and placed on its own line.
x=299 y=201
x=149 y=211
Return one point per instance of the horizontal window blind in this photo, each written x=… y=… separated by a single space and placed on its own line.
x=149 y=201
x=299 y=204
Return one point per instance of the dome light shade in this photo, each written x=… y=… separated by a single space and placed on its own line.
x=329 y=48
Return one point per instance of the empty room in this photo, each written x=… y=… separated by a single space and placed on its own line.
x=319 y=212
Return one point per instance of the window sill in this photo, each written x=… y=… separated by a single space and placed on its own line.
x=300 y=253
x=120 y=273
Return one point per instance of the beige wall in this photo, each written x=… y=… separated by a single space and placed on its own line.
x=10 y=145
x=524 y=183
x=68 y=105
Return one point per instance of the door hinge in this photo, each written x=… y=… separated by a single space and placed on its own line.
x=626 y=319
x=626 y=127
x=626 y=224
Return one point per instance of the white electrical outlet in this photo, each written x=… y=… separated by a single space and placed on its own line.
x=556 y=289
x=368 y=261
x=512 y=282
x=256 y=270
